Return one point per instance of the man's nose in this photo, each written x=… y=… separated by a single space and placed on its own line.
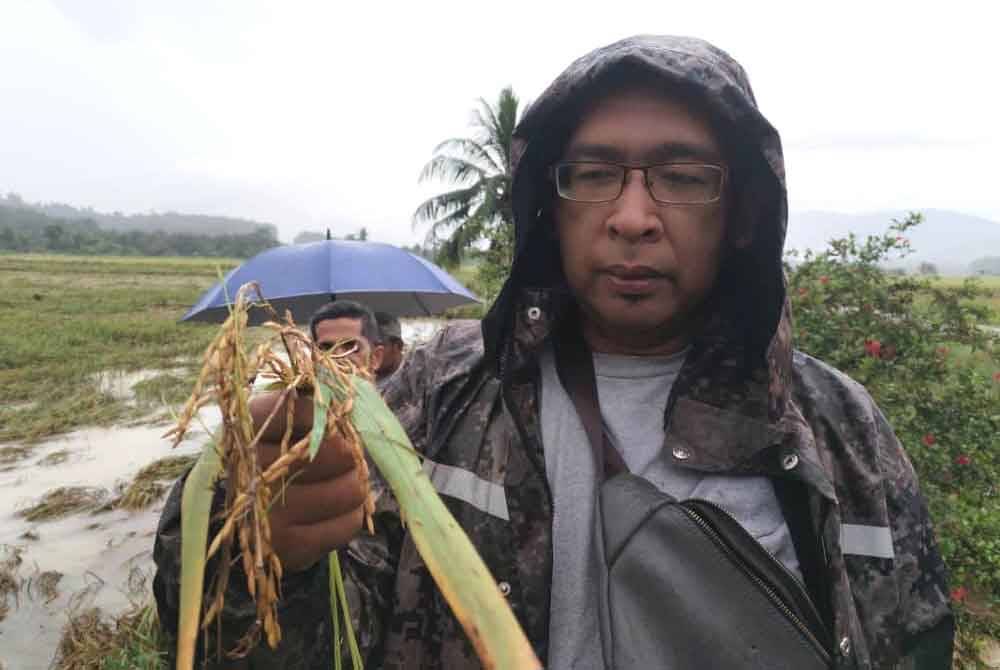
x=636 y=216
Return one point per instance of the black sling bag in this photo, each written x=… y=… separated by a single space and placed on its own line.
x=686 y=585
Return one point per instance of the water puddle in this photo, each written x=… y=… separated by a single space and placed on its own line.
x=120 y=384
x=417 y=331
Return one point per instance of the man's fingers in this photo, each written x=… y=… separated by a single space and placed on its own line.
x=307 y=503
x=333 y=459
x=301 y=546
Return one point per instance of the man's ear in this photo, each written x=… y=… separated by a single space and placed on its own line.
x=378 y=352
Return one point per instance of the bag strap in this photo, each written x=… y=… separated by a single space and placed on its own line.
x=575 y=367
x=793 y=498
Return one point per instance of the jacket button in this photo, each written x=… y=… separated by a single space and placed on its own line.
x=681 y=453
x=504 y=588
x=534 y=313
x=789 y=461
x=845 y=646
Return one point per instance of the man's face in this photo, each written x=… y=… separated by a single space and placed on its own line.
x=344 y=334
x=638 y=268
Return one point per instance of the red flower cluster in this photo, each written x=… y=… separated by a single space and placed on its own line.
x=962 y=459
x=803 y=291
x=959 y=594
x=996 y=376
x=824 y=280
x=929 y=440
x=873 y=348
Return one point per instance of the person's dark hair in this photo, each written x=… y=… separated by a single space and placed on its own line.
x=348 y=309
x=389 y=327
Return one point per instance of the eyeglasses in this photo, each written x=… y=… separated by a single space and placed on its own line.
x=667 y=183
x=339 y=348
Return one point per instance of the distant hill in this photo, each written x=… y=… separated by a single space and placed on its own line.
x=950 y=240
x=168 y=222
x=29 y=229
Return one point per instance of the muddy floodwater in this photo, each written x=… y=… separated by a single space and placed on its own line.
x=101 y=556
x=105 y=557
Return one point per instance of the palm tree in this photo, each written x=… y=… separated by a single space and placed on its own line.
x=480 y=167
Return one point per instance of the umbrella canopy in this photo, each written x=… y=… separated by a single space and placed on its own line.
x=302 y=277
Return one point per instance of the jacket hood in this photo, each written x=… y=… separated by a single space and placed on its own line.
x=750 y=292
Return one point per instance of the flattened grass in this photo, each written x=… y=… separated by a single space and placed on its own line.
x=130 y=641
x=63 y=501
x=64 y=318
x=15 y=453
x=55 y=458
x=10 y=578
x=148 y=486
x=167 y=387
x=46 y=585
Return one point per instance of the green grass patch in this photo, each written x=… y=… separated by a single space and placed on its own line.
x=991 y=290
x=63 y=319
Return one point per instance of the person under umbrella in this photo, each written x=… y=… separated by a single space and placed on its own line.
x=392 y=346
x=344 y=326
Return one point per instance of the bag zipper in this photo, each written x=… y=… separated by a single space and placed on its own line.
x=781 y=566
x=761 y=584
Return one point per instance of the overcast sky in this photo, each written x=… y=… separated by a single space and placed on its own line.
x=321 y=114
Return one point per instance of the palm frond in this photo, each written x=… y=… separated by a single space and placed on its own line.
x=450 y=168
x=481 y=165
x=474 y=150
x=444 y=204
x=507 y=109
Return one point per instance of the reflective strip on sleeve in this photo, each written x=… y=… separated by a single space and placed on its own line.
x=861 y=540
x=468 y=487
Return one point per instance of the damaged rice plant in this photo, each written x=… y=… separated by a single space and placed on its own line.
x=148 y=486
x=10 y=577
x=63 y=501
x=345 y=404
x=129 y=641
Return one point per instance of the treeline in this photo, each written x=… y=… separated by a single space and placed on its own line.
x=25 y=230
x=171 y=222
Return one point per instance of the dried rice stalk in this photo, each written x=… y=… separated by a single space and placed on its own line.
x=346 y=404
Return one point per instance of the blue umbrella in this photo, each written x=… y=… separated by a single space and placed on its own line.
x=301 y=277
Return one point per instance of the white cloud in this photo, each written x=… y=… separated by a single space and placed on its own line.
x=322 y=114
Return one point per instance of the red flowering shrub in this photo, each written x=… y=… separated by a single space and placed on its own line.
x=873 y=348
x=901 y=336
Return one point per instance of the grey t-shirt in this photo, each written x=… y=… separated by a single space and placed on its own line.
x=632 y=392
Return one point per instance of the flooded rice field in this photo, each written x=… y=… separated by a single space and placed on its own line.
x=67 y=542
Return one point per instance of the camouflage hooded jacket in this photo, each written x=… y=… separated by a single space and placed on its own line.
x=744 y=403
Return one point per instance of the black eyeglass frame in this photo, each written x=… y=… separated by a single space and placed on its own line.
x=627 y=170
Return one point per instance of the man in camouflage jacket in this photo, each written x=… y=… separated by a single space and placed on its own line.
x=744 y=403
